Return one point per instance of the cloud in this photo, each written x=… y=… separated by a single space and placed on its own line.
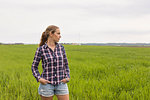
x=119 y=18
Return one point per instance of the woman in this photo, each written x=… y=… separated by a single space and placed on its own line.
x=56 y=74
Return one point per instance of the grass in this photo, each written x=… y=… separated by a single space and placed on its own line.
x=97 y=73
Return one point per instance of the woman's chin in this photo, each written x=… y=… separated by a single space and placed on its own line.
x=58 y=41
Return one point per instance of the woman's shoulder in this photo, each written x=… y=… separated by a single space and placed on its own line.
x=40 y=47
x=61 y=45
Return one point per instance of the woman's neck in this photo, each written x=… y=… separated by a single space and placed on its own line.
x=51 y=43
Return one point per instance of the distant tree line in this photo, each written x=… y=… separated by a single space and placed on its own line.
x=98 y=44
x=11 y=43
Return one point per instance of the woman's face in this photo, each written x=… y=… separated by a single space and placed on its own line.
x=56 y=36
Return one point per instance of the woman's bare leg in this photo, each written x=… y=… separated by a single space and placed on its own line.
x=46 y=98
x=63 y=97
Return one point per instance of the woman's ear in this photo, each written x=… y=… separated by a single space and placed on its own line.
x=50 y=34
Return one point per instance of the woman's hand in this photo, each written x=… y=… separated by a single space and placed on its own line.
x=43 y=81
x=64 y=80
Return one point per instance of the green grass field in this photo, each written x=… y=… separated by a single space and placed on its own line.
x=97 y=73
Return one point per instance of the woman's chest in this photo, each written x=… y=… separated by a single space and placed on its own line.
x=50 y=56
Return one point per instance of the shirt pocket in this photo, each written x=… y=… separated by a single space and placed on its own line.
x=47 y=58
x=60 y=59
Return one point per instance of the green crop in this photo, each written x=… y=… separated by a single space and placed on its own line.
x=97 y=73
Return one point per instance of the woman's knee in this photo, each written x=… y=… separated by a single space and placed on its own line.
x=63 y=97
x=46 y=98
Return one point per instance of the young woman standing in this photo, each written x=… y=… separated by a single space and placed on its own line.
x=56 y=73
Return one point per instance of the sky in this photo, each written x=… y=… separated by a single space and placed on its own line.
x=80 y=21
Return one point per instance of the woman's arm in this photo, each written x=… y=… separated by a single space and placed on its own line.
x=35 y=64
x=67 y=71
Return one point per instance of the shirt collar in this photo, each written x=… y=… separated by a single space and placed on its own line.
x=46 y=46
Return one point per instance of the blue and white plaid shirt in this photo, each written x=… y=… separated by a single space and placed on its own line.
x=54 y=64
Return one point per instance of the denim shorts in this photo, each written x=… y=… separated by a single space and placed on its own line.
x=48 y=90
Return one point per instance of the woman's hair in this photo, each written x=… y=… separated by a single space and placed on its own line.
x=45 y=34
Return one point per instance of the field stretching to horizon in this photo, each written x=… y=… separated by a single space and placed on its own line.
x=97 y=73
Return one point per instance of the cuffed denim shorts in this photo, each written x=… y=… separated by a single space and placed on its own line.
x=48 y=90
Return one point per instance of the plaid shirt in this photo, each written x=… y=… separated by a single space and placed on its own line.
x=54 y=64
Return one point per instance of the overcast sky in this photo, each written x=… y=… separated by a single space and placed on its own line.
x=92 y=21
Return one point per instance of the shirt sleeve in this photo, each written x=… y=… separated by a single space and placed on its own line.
x=35 y=64
x=67 y=71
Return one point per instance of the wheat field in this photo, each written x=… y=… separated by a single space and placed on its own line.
x=97 y=73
